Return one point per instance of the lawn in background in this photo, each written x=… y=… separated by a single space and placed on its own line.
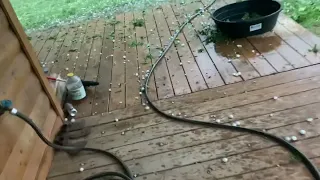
x=305 y=12
x=35 y=14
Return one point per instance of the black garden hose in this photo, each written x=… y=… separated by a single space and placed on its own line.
x=126 y=176
x=309 y=165
x=6 y=105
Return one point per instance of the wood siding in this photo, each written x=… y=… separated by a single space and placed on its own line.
x=22 y=154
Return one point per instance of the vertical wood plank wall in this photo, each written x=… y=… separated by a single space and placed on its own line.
x=22 y=154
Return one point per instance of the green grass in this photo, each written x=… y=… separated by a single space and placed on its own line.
x=37 y=14
x=135 y=44
x=138 y=22
x=305 y=12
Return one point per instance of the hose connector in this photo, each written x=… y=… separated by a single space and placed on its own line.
x=5 y=105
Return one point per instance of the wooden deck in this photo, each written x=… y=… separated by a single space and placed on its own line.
x=157 y=148
x=195 y=80
x=88 y=50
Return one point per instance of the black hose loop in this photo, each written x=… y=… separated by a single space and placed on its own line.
x=311 y=167
x=127 y=176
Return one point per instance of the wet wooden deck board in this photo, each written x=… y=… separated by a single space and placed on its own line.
x=163 y=81
x=205 y=63
x=190 y=66
x=190 y=151
x=93 y=63
x=285 y=49
x=132 y=65
x=63 y=56
x=41 y=40
x=102 y=93
x=156 y=148
x=118 y=87
x=220 y=104
x=146 y=37
x=48 y=45
x=177 y=72
x=51 y=59
x=225 y=68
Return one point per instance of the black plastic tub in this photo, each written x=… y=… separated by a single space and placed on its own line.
x=247 y=18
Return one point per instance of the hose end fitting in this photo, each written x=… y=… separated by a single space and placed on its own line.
x=5 y=105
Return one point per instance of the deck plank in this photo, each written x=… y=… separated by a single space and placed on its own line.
x=34 y=37
x=241 y=63
x=234 y=145
x=48 y=45
x=145 y=64
x=84 y=55
x=132 y=65
x=289 y=171
x=225 y=68
x=102 y=94
x=63 y=54
x=202 y=58
x=177 y=73
x=254 y=97
x=260 y=64
x=292 y=56
x=70 y=62
x=145 y=122
x=82 y=59
x=297 y=44
x=263 y=45
x=189 y=64
x=270 y=106
x=51 y=58
x=76 y=46
x=237 y=164
x=240 y=113
x=297 y=29
x=275 y=124
x=91 y=73
x=41 y=40
x=208 y=95
x=220 y=104
x=162 y=76
x=118 y=94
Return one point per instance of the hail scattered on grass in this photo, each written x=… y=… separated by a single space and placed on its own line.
x=39 y=14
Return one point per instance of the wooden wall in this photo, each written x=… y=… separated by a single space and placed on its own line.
x=22 y=154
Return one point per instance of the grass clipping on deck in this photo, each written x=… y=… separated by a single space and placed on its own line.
x=212 y=34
